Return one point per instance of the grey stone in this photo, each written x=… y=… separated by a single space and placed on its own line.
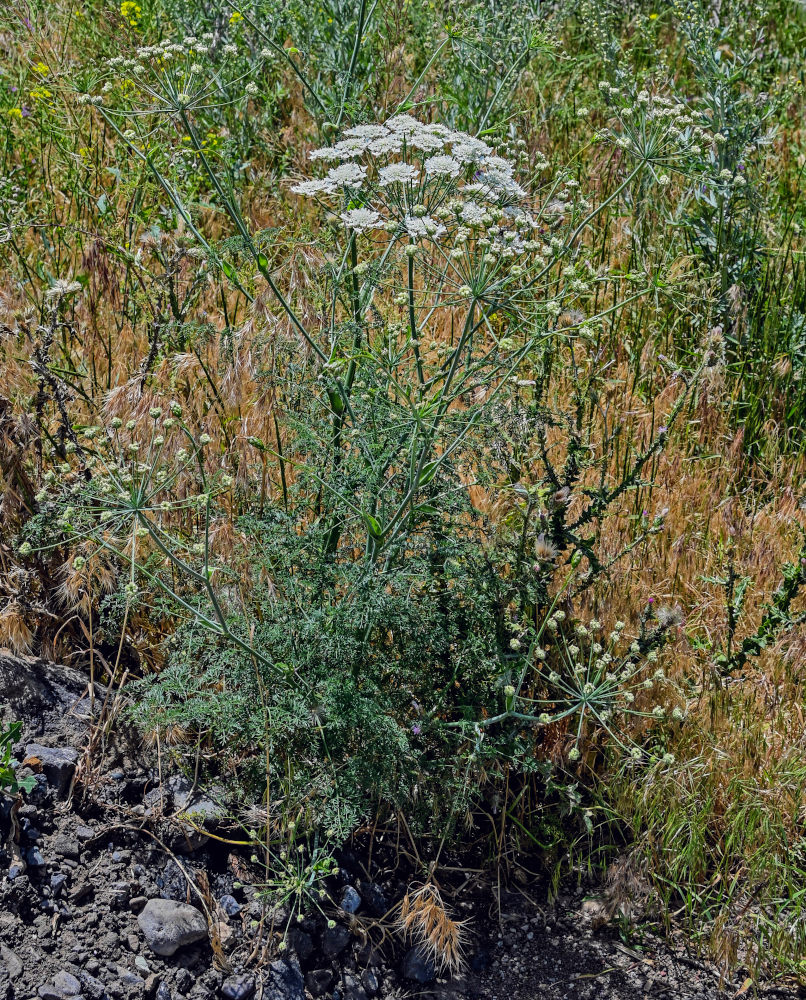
x=44 y=693
x=168 y=926
x=91 y=986
x=370 y=982
x=238 y=987
x=418 y=966
x=14 y=966
x=353 y=990
x=374 y=898
x=49 y=992
x=137 y=903
x=163 y=991
x=67 y=984
x=350 y=900
x=141 y=964
x=57 y=883
x=285 y=982
x=58 y=764
x=335 y=940
x=185 y=981
x=230 y=905
x=34 y=858
x=65 y=847
x=319 y=981
x=300 y=943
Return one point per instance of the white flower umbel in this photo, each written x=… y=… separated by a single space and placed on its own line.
x=361 y=219
x=442 y=166
x=397 y=173
x=347 y=175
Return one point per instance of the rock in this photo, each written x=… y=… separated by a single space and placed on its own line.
x=350 y=900
x=48 y=992
x=335 y=940
x=230 y=905
x=375 y=899
x=58 y=764
x=137 y=903
x=353 y=990
x=167 y=925
x=184 y=981
x=67 y=984
x=92 y=987
x=163 y=992
x=300 y=943
x=319 y=981
x=57 y=883
x=370 y=982
x=13 y=965
x=34 y=858
x=84 y=832
x=65 y=847
x=285 y=982
x=44 y=693
x=238 y=987
x=141 y=964
x=418 y=966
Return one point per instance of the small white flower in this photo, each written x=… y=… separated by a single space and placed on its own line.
x=473 y=214
x=425 y=226
x=442 y=166
x=466 y=149
x=311 y=187
x=325 y=153
x=252 y=89
x=385 y=144
x=347 y=175
x=367 y=131
x=397 y=173
x=361 y=219
x=426 y=141
x=404 y=124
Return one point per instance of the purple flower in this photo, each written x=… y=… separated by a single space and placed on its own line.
x=416 y=728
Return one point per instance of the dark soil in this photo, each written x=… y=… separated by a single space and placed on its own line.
x=78 y=870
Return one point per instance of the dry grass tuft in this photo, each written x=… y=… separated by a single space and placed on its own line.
x=423 y=918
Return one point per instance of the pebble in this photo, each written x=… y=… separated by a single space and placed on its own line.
x=319 y=981
x=238 y=987
x=57 y=883
x=350 y=900
x=335 y=940
x=67 y=984
x=418 y=966
x=230 y=905
x=168 y=926
x=58 y=764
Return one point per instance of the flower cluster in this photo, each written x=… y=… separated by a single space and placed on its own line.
x=596 y=679
x=423 y=183
x=140 y=487
x=661 y=132
x=175 y=77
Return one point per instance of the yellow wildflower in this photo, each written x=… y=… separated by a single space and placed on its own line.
x=40 y=68
x=132 y=12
